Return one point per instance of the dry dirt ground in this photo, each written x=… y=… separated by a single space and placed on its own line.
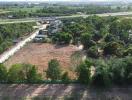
x=62 y=92
x=40 y=54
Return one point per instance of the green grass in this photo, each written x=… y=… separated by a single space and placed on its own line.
x=4 y=11
x=10 y=21
x=31 y=9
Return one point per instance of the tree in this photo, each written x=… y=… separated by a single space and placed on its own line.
x=128 y=52
x=117 y=76
x=33 y=76
x=101 y=76
x=93 y=52
x=109 y=38
x=3 y=73
x=15 y=73
x=113 y=48
x=86 y=40
x=53 y=72
x=62 y=38
x=23 y=72
x=83 y=72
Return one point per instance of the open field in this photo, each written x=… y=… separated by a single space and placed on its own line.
x=40 y=53
x=62 y=92
x=11 y=21
x=4 y=11
x=27 y=9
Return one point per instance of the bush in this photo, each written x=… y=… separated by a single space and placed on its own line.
x=53 y=72
x=83 y=72
x=62 y=38
x=65 y=77
x=93 y=52
x=121 y=70
x=23 y=73
x=128 y=52
x=3 y=73
x=113 y=48
x=101 y=76
x=33 y=76
x=87 y=41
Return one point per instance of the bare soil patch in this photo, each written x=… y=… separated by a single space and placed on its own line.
x=40 y=54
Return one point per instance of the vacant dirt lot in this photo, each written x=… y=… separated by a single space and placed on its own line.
x=40 y=54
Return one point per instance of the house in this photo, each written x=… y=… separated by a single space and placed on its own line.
x=55 y=26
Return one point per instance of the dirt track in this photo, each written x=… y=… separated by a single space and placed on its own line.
x=40 y=53
x=61 y=91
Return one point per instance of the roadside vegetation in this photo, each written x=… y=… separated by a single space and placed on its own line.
x=10 y=32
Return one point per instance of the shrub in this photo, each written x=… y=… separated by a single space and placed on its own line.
x=53 y=72
x=62 y=38
x=65 y=77
x=101 y=76
x=121 y=70
x=3 y=73
x=87 y=41
x=33 y=76
x=128 y=52
x=83 y=72
x=113 y=48
x=93 y=52
x=23 y=73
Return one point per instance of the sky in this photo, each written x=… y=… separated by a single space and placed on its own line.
x=70 y=0
x=57 y=0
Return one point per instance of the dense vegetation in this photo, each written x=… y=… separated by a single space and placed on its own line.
x=10 y=32
x=108 y=45
x=101 y=37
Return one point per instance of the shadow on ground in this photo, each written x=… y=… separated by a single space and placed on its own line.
x=61 y=92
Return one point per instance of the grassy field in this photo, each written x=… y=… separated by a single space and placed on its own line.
x=27 y=9
x=10 y=21
x=4 y=11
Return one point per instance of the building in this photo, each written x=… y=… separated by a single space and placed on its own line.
x=55 y=26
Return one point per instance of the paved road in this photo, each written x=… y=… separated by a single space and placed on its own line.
x=10 y=21
x=23 y=21
x=17 y=47
x=101 y=15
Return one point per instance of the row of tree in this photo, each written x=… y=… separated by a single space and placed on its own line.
x=28 y=73
x=106 y=73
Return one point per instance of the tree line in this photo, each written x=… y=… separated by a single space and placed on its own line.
x=117 y=71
